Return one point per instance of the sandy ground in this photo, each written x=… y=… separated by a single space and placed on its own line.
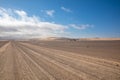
x=101 y=49
x=42 y=61
x=2 y=43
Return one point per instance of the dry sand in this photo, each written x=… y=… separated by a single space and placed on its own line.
x=60 y=60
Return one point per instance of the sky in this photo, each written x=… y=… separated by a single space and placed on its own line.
x=59 y=18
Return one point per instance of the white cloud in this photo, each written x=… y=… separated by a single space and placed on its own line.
x=65 y=9
x=21 y=13
x=16 y=23
x=81 y=27
x=50 y=12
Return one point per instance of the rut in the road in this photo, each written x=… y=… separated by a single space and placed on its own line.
x=85 y=66
x=58 y=72
x=24 y=61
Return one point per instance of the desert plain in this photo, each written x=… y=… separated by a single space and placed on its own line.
x=60 y=60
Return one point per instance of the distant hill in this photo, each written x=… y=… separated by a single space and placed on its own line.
x=99 y=39
x=61 y=39
x=73 y=39
x=55 y=39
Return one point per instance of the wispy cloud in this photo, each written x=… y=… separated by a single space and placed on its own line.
x=66 y=9
x=50 y=12
x=81 y=27
x=18 y=23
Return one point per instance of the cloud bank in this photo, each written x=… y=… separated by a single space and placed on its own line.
x=17 y=23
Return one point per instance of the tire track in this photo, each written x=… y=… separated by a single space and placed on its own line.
x=81 y=73
x=58 y=71
x=24 y=61
x=24 y=70
x=103 y=67
x=3 y=59
x=109 y=64
x=8 y=70
x=39 y=67
x=96 y=60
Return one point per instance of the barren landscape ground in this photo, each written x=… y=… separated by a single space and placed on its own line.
x=60 y=60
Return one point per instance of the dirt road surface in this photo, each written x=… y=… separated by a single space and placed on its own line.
x=25 y=61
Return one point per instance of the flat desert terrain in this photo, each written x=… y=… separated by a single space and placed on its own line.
x=60 y=60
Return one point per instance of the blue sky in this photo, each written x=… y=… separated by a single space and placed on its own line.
x=66 y=18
